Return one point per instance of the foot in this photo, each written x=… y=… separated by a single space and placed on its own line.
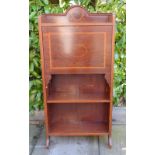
x=47 y=142
x=109 y=141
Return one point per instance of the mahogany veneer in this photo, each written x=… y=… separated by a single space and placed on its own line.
x=77 y=51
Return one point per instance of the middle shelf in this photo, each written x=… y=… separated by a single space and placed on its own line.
x=79 y=88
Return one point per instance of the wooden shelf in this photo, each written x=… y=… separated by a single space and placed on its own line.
x=78 y=89
x=78 y=128
x=73 y=98
x=78 y=119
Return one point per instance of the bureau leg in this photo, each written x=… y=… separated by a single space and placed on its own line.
x=47 y=141
x=110 y=141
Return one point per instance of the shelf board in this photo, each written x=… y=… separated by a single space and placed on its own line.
x=74 y=98
x=78 y=128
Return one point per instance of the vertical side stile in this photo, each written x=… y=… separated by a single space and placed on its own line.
x=112 y=76
x=43 y=76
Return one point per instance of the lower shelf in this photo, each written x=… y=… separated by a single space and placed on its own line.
x=84 y=119
x=78 y=129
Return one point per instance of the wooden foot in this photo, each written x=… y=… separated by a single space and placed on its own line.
x=109 y=141
x=47 y=142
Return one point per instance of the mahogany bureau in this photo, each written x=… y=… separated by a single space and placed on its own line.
x=77 y=58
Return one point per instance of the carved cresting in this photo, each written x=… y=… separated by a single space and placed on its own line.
x=77 y=14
